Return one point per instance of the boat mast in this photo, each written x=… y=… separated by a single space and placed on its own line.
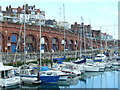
x=17 y=44
x=39 y=60
x=106 y=40
x=78 y=38
x=1 y=45
x=24 y=35
x=100 y=39
x=81 y=31
x=64 y=27
x=91 y=38
x=84 y=33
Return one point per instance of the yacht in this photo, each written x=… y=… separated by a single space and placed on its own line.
x=30 y=76
x=100 y=57
x=7 y=76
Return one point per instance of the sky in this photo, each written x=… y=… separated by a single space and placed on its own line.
x=101 y=14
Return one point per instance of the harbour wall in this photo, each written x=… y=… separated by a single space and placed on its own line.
x=33 y=56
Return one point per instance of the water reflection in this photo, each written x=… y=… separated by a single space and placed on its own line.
x=105 y=80
x=70 y=83
x=108 y=79
x=44 y=86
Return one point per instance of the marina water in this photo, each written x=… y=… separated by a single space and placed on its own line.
x=106 y=79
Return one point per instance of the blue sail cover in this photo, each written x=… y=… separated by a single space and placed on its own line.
x=43 y=68
x=81 y=61
x=99 y=60
x=59 y=60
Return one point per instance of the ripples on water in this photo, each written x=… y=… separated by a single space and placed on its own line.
x=97 y=80
x=109 y=79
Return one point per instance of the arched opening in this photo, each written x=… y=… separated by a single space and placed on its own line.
x=71 y=45
x=55 y=44
x=1 y=43
x=64 y=44
x=44 y=43
x=76 y=45
x=30 y=43
x=14 y=40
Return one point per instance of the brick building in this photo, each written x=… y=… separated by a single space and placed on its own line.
x=52 y=38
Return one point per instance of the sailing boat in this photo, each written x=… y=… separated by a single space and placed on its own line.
x=81 y=60
x=35 y=75
x=24 y=72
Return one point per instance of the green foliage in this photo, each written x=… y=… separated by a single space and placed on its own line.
x=35 y=62
x=46 y=62
x=69 y=59
x=15 y=64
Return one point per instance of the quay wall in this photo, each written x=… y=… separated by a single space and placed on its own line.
x=10 y=58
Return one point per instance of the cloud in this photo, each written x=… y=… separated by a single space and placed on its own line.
x=116 y=13
x=104 y=8
x=103 y=21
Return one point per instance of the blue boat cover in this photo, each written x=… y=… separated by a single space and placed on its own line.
x=81 y=61
x=59 y=60
x=43 y=68
x=99 y=60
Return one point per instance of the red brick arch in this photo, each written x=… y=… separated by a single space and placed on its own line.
x=30 y=43
x=2 y=40
x=57 y=45
x=47 y=32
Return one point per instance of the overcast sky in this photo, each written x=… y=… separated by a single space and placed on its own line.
x=100 y=13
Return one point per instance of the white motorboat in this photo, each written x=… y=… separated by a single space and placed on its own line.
x=7 y=76
x=27 y=76
x=100 y=65
x=100 y=57
x=72 y=69
x=91 y=68
x=95 y=66
x=116 y=63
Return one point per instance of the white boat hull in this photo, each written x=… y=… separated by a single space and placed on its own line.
x=91 y=69
x=63 y=78
x=116 y=64
x=29 y=80
x=10 y=81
